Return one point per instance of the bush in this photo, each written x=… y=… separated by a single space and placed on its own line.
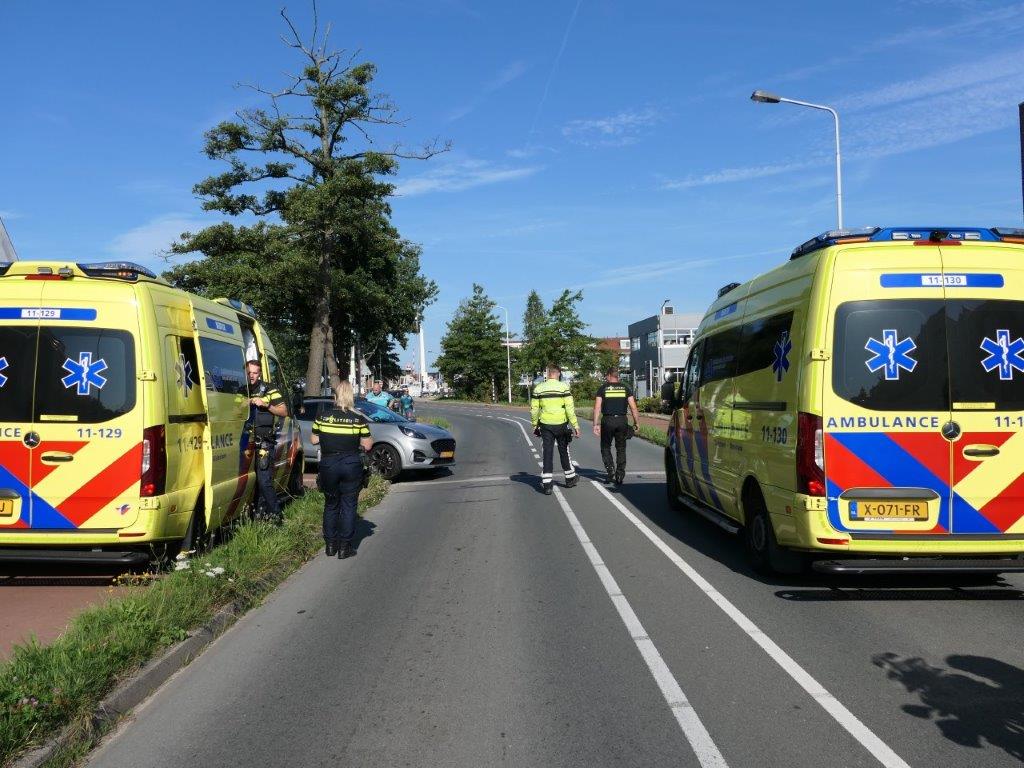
x=649 y=404
x=585 y=389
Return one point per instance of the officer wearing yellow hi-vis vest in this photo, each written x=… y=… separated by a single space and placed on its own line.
x=553 y=416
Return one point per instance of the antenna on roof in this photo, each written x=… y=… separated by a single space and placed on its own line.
x=7 y=252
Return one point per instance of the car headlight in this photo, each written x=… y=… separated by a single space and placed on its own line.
x=409 y=432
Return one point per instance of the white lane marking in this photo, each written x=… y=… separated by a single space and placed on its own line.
x=878 y=748
x=686 y=716
x=420 y=484
x=522 y=429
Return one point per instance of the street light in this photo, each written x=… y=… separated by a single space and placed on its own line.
x=508 y=355
x=764 y=97
x=661 y=344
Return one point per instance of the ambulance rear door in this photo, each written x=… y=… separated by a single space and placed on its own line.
x=985 y=336
x=886 y=393
x=87 y=413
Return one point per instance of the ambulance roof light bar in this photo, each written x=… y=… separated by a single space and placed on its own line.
x=832 y=237
x=123 y=270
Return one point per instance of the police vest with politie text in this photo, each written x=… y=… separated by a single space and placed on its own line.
x=263 y=422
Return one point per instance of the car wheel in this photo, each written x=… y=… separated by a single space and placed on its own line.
x=672 y=489
x=386 y=461
x=763 y=551
x=295 y=485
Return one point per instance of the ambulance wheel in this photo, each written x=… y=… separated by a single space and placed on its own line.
x=672 y=489
x=295 y=486
x=194 y=539
x=386 y=461
x=763 y=551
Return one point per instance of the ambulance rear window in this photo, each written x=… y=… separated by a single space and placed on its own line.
x=84 y=374
x=986 y=352
x=17 y=364
x=890 y=355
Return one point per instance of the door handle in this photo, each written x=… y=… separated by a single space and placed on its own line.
x=700 y=417
x=978 y=451
x=57 y=457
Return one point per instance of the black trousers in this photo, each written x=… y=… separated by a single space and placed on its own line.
x=614 y=428
x=553 y=434
x=341 y=477
x=265 y=480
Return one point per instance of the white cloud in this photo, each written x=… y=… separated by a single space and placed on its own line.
x=617 y=130
x=728 y=175
x=527 y=151
x=459 y=175
x=638 y=273
x=508 y=74
x=147 y=242
x=9 y=215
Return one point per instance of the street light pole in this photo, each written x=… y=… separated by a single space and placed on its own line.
x=764 y=97
x=661 y=344
x=508 y=354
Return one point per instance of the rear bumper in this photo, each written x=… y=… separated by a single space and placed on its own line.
x=924 y=565
x=123 y=558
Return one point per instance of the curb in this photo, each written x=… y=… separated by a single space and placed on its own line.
x=133 y=691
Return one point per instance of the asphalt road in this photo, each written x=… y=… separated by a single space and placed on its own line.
x=485 y=624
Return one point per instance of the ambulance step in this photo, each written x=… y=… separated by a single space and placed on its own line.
x=854 y=566
x=712 y=515
x=73 y=557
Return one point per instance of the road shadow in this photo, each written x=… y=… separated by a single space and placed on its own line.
x=711 y=541
x=975 y=702
x=364 y=529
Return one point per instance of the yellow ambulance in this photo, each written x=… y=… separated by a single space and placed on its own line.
x=861 y=406
x=124 y=413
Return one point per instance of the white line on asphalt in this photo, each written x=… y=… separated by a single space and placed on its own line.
x=878 y=748
x=693 y=729
x=522 y=429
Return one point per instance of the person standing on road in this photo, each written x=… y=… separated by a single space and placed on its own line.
x=613 y=400
x=553 y=416
x=407 y=409
x=379 y=396
x=344 y=438
x=267 y=402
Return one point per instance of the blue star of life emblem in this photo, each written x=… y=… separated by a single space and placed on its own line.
x=891 y=353
x=183 y=371
x=4 y=365
x=1003 y=354
x=84 y=374
x=781 y=350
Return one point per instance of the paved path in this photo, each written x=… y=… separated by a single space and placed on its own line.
x=485 y=624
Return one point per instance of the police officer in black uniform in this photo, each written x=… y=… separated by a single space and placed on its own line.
x=268 y=402
x=344 y=438
x=614 y=399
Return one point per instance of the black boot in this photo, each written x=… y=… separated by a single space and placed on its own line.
x=331 y=547
x=609 y=476
x=346 y=550
x=571 y=482
x=620 y=476
x=547 y=488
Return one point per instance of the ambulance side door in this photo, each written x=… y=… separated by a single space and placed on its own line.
x=686 y=455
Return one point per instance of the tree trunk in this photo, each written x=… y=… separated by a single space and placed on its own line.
x=332 y=360
x=318 y=339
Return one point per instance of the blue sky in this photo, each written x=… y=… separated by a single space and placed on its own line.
x=597 y=144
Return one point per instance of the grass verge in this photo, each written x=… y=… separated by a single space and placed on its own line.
x=437 y=421
x=44 y=688
x=656 y=435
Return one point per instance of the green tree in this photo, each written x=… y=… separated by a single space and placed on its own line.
x=562 y=338
x=320 y=174
x=530 y=359
x=472 y=356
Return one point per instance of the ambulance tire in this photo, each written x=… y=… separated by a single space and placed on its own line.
x=763 y=551
x=386 y=461
x=672 y=489
x=296 y=488
x=194 y=538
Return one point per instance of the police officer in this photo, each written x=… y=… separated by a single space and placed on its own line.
x=267 y=402
x=344 y=438
x=613 y=400
x=553 y=416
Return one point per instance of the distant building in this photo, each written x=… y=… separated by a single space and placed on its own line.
x=619 y=345
x=658 y=347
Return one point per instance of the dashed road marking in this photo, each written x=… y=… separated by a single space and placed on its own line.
x=686 y=716
x=867 y=738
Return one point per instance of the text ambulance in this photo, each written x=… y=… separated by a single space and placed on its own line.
x=862 y=405
x=124 y=413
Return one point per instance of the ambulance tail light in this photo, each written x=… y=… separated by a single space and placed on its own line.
x=810 y=455
x=154 y=461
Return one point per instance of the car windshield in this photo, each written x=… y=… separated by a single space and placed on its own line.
x=378 y=414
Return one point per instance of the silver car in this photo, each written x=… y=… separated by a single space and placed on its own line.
x=398 y=443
